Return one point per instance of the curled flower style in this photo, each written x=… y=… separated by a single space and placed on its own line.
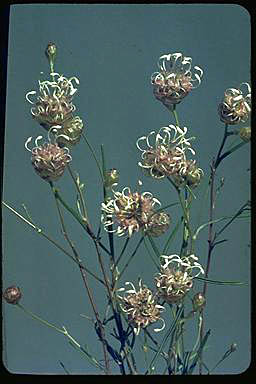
x=48 y=160
x=175 y=79
x=167 y=155
x=130 y=211
x=69 y=133
x=141 y=307
x=176 y=277
x=54 y=104
x=158 y=224
x=236 y=105
x=189 y=174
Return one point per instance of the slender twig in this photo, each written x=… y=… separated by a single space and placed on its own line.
x=46 y=236
x=85 y=281
x=84 y=210
x=63 y=331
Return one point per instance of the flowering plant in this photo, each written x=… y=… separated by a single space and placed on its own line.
x=174 y=295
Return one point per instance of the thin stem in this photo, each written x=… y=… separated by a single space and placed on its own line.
x=86 y=226
x=42 y=233
x=63 y=331
x=175 y=115
x=85 y=281
x=171 y=329
x=84 y=210
x=121 y=254
x=131 y=257
x=94 y=156
x=222 y=143
x=227 y=153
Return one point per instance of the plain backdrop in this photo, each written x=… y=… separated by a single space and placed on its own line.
x=113 y=49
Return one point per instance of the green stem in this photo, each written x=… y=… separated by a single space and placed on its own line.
x=84 y=210
x=175 y=115
x=40 y=232
x=171 y=329
x=63 y=331
x=76 y=216
x=131 y=257
x=95 y=158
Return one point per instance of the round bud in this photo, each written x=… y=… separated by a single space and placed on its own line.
x=245 y=133
x=198 y=301
x=111 y=177
x=12 y=295
x=233 y=347
x=51 y=51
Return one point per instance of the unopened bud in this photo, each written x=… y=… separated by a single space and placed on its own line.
x=111 y=178
x=233 y=347
x=245 y=133
x=198 y=301
x=51 y=51
x=12 y=295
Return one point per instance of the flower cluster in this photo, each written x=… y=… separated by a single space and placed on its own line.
x=48 y=159
x=54 y=104
x=166 y=156
x=132 y=212
x=54 y=108
x=174 y=80
x=236 y=105
x=176 y=277
x=141 y=307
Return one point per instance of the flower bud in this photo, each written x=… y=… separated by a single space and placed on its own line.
x=111 y=177
x=198 y=301
x=12 y=295
x=233 y=347
x=51 y=51
x=245 y=133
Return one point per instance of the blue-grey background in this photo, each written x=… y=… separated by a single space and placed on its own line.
x=113 y=49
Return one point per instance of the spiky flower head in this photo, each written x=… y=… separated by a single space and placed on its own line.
x=165 y=155
x=176 y=277
x=129 y=212
x=12 y=295
x=69 y=133
x=158 y=224
x=190 y=174
x=141 y=307
x=175 y=79
x=236 y=104
x=53 y=105
x=48 y=159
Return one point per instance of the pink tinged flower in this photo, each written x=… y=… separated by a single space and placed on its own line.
x=48 y=160
x=236 y=105
x=175 y=78
x=176 y=277
x=164 y=153
x=53 y=105
x=128 y=212
x=141 y=307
